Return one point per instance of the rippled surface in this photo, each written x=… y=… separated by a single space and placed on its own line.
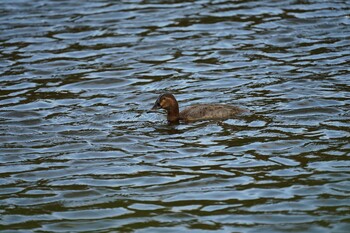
x=80 y=152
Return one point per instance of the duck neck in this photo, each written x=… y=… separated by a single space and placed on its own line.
x=173 y=114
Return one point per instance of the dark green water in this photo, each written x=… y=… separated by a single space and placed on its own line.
x=80 y=153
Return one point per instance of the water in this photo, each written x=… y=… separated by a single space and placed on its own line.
x=81 y=153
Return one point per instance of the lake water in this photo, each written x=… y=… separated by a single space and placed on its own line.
x=80 y=152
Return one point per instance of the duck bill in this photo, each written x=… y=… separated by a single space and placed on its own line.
x=155 y=106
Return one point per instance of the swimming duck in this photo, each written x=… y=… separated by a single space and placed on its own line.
x=195 y=112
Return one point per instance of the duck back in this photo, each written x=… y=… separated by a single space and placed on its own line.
x=210 y=111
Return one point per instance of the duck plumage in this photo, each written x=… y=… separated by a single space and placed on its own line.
x=195 y=112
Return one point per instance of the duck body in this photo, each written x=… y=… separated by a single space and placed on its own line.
x=209 y=111
x=195 y=112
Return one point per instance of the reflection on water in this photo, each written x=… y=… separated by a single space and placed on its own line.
x=81 y=152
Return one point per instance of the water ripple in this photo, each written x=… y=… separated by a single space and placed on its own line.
x=80 y=150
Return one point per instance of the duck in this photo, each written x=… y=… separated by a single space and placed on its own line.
x=195 y=112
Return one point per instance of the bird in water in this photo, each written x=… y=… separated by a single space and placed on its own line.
x=195 y=112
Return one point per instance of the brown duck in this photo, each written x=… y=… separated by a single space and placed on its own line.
x=195 y=112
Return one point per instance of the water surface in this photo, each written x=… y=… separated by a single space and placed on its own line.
x=81 y=153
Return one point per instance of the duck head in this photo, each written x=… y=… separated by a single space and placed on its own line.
x=168 y=102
